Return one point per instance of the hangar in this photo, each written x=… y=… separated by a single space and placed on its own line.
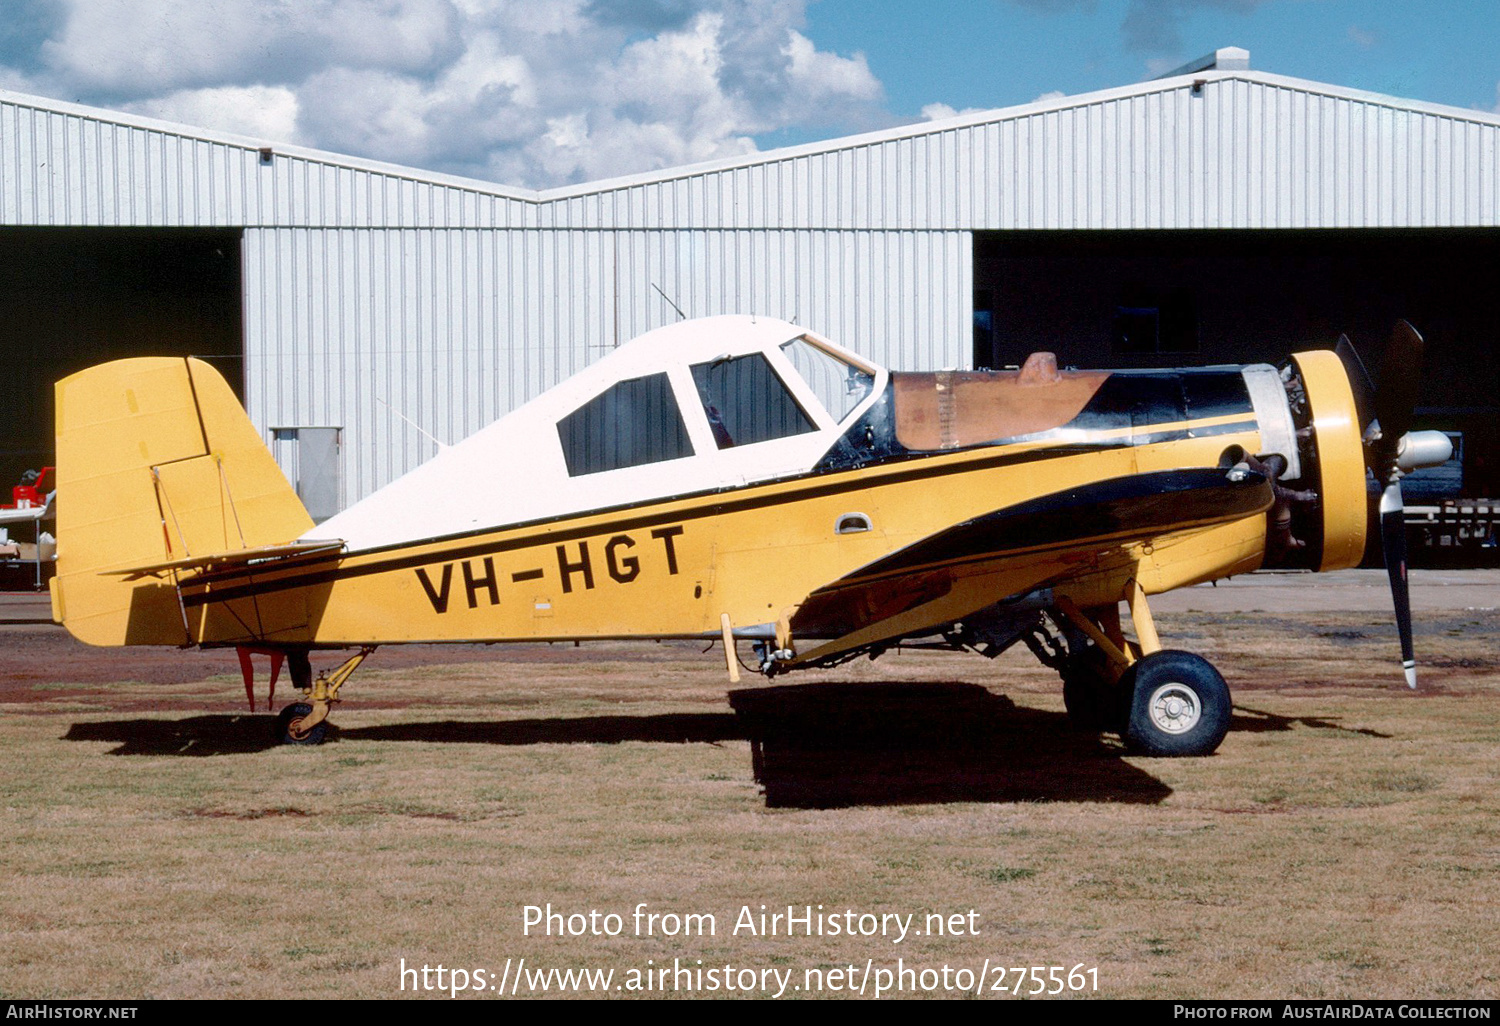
x=362 y=309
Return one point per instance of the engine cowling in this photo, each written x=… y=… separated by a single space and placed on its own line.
x=1332 y=459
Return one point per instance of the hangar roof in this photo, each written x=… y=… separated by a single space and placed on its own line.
x=1216 y=146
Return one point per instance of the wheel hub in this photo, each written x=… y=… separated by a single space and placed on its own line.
x=1174 y=708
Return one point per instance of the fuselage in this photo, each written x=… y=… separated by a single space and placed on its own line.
x=548 y=526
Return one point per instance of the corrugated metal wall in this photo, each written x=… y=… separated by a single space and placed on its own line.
x=454 y=327
x=454 y=301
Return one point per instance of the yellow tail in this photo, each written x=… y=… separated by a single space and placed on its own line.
x=156 y=462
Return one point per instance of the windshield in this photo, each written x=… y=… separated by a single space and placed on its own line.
x=839 y=386
x=746 y=402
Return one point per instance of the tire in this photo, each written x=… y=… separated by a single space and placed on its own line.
x=296 y=711
x=1179 y=705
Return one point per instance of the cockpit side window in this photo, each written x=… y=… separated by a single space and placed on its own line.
x=839 y=386
x=746 y=402
x=631 y=423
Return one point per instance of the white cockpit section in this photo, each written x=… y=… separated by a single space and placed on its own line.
x=695 y=406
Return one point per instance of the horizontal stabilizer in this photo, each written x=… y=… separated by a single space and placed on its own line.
x=237 y=558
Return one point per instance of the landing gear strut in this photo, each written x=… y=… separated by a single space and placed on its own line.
x=1161 y=702
x=306 y=722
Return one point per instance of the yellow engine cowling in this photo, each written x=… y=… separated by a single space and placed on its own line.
x=1338 y=452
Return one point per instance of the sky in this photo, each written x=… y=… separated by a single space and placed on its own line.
x=541 y=93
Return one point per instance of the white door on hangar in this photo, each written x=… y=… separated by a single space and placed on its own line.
x=310 y=457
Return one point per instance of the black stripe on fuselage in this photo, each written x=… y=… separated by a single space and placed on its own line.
x=1134 y=506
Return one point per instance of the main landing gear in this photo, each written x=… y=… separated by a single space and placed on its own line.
x=1160 y=701
x=306 y=722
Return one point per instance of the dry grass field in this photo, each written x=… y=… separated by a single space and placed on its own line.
x=1344 y=841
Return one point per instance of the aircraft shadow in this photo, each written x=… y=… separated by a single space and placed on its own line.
x=813 y=745
x=241 y=734
x=835 y=745
x=667 y=728
x=196 y=735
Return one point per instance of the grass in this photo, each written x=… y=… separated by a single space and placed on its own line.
x=1344 y=842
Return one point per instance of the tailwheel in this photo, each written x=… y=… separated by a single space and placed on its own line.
x=290 y=729
x=306 y=723
x=1178 y=705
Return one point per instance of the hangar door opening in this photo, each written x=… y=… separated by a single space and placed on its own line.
x=73 y=297
x=1186 y=298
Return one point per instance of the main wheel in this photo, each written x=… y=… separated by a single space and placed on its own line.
x=293 y=712
x=1179 y=705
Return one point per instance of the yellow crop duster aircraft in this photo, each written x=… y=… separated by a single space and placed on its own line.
x=742 y=478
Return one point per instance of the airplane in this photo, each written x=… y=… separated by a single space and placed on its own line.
x=741 y=478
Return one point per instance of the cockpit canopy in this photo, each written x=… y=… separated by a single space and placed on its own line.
x=694 y=406
x=800 y=387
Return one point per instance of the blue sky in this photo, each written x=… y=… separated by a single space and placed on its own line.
x=997 y=53
x=549 y=92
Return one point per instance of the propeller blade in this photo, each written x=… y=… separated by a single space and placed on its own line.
x=1393 y=544
x=1359 y=380
x=1395 y=403
x=1400 y=377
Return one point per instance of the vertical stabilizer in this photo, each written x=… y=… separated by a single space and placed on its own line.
x=156 y=461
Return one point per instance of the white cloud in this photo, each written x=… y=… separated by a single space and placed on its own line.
x=817 y=75
x=939 y=111
x=1051 y=94
x=374 y=113
x=674 y=76
x=516 y=91
x=16 y=80
x=119 y=45
x=265 y=112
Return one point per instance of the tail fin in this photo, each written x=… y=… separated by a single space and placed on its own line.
x=156 y=461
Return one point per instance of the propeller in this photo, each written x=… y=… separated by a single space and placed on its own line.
x=1390 y=451
x=1359 y=379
